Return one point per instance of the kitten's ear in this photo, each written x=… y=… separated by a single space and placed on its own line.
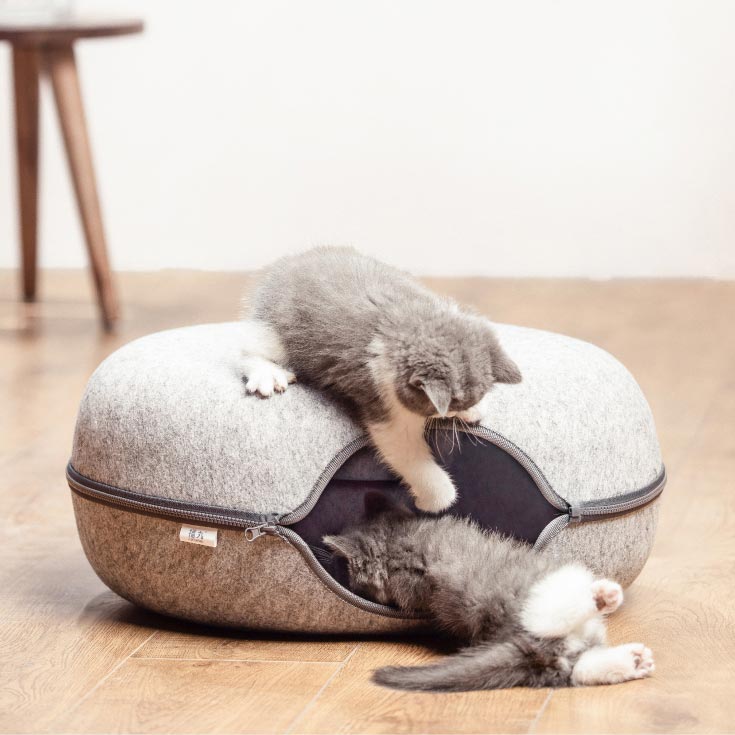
x=341 y=545
x=504 y=369
x=437 y=391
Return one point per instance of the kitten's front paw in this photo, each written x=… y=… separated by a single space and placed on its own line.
x=608 y=595
x=268 y=379
x=471 y=415
x=476 y=413
x=436 y=495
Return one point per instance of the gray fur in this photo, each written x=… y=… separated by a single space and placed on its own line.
x=472 y=585
x=330 y=307
x=522 y=661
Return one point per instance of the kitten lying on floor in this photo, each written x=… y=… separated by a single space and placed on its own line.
x=384 y=345
x=528 y=620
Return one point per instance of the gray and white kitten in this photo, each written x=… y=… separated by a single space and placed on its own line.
x=528 y=619
x=387 y=347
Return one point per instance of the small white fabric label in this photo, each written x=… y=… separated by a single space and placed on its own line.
x=198 y=535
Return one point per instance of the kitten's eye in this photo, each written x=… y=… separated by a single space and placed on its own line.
x=416 y=383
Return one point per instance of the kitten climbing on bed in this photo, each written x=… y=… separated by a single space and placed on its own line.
x=527 y=619
x=388 y=348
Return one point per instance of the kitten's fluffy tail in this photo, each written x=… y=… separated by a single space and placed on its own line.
x=487 y=666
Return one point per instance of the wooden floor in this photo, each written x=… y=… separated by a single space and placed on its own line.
x=75 y=658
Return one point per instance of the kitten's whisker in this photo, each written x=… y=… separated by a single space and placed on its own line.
x=446 y=429
x=468 y=432
x=455 y=433
x=434 y=433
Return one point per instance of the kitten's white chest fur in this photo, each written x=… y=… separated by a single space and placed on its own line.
x=400 y=441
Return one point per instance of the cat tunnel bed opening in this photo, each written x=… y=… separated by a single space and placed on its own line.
x=167 y=439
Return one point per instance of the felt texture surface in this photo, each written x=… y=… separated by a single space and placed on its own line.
x=616 y=548
x=260 y=585
x=167 y=415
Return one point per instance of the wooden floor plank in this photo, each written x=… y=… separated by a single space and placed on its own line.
x=61 y=633
x=191 y=644
x=681 y=605
x=351 y=704
x=172 y=696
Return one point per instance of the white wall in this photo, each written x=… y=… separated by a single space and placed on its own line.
x=565 y=138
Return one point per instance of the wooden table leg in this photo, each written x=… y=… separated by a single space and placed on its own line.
x=62 y=69
x=25 y=78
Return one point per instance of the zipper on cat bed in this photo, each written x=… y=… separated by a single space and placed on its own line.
x=522 y=458
x=597 y=510
x=263 y=529
x=256 y=525
x=253 y=525
x=479 y=431
x=165 y=507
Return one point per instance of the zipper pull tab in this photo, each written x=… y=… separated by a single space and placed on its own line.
x=575 y=513
x=257 y=531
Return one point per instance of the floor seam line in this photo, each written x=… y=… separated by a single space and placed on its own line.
x=108 y=675
x=542 y=709
x=289 y=730
x=236 y=660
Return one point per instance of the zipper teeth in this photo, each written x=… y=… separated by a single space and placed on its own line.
x=557 y=525
x=149 y=505
x=270 y=527
x=522 y=458
x=480 y=431
x=642 y=498
x=327 y=474
x=552 y=529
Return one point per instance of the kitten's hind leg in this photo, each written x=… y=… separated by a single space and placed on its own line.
x=561 y=602
x=608 y=595
x=613 y=665
x=262 y=353
x=565 y=599
x=400 y=441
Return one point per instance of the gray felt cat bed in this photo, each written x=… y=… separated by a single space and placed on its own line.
x=197 y=500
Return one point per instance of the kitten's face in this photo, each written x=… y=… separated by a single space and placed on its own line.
x=366 y=548
x=448 y=367
x=366 y=572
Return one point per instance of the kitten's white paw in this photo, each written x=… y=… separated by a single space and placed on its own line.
x=629 y=661
x=608 y=595
x=471 y=415
x=642 y=660
x=475 y=413
x=613 y=665
x=435 y=495
x=267 y=379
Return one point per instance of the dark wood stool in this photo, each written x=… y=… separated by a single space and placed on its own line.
x=48 y=48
